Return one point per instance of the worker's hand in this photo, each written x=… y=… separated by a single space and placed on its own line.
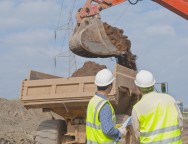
x=123 y=131
x=118 y=125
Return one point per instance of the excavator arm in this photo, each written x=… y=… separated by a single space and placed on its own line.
x=94 y=7
x=92 y=38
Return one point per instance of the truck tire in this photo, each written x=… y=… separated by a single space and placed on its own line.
x=50 y=132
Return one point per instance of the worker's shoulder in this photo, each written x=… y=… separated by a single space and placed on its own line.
x=138 y=104
x=164 y=98
x=165 y=95
x=154 y=97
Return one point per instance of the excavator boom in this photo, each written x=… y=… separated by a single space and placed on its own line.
x=179 y=7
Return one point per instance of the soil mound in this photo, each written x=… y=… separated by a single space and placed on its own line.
x=88 y=69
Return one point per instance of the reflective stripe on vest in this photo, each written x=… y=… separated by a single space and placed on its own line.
x=90 y=142
x=166 y=141
x=93 y=125
x=158 y=120
x=158 y=131
x=94 y=131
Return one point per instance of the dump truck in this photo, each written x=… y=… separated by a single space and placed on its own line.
x=69 y=97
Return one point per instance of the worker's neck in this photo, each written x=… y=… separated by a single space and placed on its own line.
x=147 y=90
x=103 y=93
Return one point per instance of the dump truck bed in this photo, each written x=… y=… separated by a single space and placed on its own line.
x=70 y=96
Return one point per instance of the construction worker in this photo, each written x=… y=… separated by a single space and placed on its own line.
x=156 y=118
x=101 y=120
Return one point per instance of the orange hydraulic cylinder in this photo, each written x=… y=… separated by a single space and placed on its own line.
x=115 y=2
x=179 y=7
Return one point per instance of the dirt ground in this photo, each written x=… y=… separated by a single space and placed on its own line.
x=18 y=125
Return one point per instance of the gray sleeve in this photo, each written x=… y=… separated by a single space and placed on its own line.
x=180 y=117
x=135 y=124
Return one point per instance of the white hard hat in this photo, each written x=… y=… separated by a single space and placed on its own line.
x=104 y=78
x=144 y=79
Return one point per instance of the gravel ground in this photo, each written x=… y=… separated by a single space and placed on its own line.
x=17 y=124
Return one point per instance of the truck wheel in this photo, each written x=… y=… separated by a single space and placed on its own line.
x=50 y=132
x=130 y=136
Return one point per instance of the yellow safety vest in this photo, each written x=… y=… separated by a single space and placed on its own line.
x=159 y=123
x=94 y=131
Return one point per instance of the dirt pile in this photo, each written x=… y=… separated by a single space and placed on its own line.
x=122 y=43
x=88 y=69
x=17 y=124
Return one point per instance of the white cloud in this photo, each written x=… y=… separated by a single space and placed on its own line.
x=27 y=13
x=160 y=30
x=29 y=37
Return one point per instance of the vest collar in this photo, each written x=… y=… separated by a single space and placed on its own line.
x=148 y=94
x=101 y=96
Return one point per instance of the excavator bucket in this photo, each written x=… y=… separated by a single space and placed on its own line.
x=90 y=39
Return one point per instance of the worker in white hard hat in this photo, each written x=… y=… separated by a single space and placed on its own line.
x=156 y=118
x=100 y=121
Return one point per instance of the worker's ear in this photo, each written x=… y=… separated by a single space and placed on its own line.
x=111 y=85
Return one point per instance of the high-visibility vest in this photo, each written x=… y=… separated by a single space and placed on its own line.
x=159 y=121
x=94 y=131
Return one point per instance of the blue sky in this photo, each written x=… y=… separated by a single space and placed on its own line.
x=159 y=39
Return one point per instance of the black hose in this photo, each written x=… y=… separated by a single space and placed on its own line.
x=133 y=3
